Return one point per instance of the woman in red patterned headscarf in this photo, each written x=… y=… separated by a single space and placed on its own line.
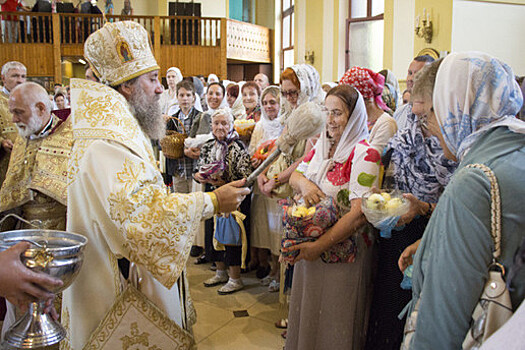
x=370 y=84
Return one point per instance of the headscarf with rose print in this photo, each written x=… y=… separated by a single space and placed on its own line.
x=367 y=82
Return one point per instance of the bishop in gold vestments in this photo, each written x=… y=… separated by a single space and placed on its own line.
x=118 y=200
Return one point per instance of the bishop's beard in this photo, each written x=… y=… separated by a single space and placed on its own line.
x=147 y=112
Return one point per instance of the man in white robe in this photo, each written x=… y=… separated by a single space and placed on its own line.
x=116 y=195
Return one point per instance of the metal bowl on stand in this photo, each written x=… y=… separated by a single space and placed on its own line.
x=58 y=254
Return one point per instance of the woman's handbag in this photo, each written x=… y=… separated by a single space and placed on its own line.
x=494 y=307
x=134 y=322
x=230 y=231
x=227 y=230
x=173 y=143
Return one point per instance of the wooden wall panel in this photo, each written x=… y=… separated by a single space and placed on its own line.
x=192 y=60
x=72 y=50
x=38 y=58
x=215 y=40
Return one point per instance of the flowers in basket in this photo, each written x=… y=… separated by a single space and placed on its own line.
x=303 y=224
x=264 y=150
x=384 y=209
x=244 y=127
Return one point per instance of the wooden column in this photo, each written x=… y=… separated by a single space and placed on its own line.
x=224 y=42
x=156 y=39
x=57 y=55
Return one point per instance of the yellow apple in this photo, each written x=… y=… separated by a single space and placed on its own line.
x=392 y=205
x=375 y=202
x=386 y=196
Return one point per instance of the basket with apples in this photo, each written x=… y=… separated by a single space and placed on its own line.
x=384 y=205
x=244 y=127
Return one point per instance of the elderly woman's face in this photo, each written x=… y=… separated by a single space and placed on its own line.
x=220 y=126
x=290 y=92
x=423 y=109
x=215 y=96
x=338 y=116
x=271 y=106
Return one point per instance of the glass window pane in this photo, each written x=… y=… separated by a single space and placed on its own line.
x=286 y=4
x=366 y=44
x=286 y=31
x=288 y=58
x=293 y=2
x=378 y=7
x=292 y=29
x=358 y=8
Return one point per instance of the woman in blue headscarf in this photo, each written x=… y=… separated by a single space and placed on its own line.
x=470 y=101
x=415 y=164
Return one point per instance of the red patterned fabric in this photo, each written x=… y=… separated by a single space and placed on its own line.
x=9 y=6
x=369 y=84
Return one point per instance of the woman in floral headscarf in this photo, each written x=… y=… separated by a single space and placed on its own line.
x=370 y=84
x=224 y=159
x=470 y=101
x=414 y=164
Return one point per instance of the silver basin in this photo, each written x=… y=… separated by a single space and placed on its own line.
x=58 y=254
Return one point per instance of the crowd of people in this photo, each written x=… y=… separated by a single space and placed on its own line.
x=341 y=276
x=13 y=26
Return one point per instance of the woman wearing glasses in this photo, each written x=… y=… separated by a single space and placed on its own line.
x=300 y=83
x=331 y=294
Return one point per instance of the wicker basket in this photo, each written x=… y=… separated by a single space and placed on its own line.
x=173 y=143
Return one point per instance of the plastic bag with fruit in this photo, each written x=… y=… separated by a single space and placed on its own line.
x=384 y=209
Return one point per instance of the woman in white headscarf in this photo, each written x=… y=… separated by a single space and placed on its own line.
x=300 y=83
x=332 y=280
x=266 y=224
x=469 y=101
x=213 y=78
x=234 y=99
x=168 y=98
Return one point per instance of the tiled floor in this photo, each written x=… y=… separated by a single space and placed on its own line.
x=217 y=328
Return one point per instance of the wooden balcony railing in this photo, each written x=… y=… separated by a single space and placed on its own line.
x=198 y=45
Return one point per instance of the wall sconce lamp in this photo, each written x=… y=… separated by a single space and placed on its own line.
x=309 y=56
x=423 y=29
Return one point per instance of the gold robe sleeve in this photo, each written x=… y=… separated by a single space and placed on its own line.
x=151 y=227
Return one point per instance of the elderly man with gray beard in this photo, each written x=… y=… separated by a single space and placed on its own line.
x=118 y=200
x=36 y=181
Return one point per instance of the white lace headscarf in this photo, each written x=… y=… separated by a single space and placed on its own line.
x=310 y=90
x=272 y=129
